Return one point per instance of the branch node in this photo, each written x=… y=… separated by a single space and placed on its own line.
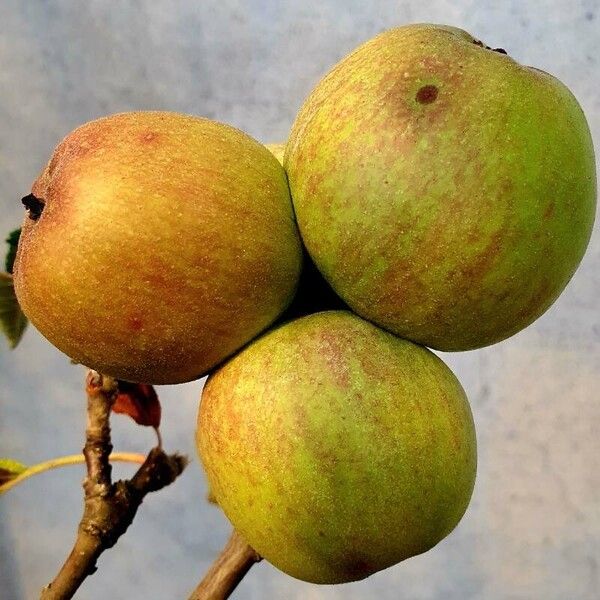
x=109 y=507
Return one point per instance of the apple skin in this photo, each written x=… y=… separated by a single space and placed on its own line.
x=446 y=192
x=313 y=294
x=337 y=449
x=277 y=150
x=165 y=243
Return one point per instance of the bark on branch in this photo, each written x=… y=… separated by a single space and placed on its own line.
x=227 y=571
x=109 y=507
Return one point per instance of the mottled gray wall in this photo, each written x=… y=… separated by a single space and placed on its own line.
x=533 y=529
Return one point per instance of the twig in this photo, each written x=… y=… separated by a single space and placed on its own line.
x=227 y=571
x=65 y=461
x=109 y=507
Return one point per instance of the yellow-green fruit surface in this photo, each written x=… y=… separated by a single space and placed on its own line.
x=446 y=192
x=277 y=150
x=337 y=449
x=165 y=243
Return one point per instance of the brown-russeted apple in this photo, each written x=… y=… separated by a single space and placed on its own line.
x=337 y=449
x=446 y=192
x=157 y=244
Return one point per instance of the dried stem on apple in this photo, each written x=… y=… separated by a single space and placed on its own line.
x=109 y=507
x=227 y=571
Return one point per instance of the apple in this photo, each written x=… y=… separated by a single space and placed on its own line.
x=156 y=245
x=337 y=449
x=446 y=192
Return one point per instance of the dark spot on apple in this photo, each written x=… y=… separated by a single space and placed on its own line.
x=135 y=323
x=149 y=136
x=427 y=94
x=549 y=212
x=34 y=205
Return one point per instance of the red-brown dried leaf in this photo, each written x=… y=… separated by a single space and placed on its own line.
x=140 y=402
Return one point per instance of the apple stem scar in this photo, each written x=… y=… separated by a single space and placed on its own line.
x=499 y=50
x=34 y=205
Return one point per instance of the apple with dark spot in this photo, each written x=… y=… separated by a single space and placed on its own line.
x=156 y=245
x=446 y=192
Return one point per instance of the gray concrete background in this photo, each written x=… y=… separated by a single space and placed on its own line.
x=533 y=528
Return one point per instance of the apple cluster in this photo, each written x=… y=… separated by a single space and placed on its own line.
x=433 y=193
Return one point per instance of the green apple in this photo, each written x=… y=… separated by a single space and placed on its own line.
x=337 y=449
x=446 y=192
x=156 y=245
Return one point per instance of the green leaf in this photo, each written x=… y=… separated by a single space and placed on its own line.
x=13 y=241
x=9 y=469
x=12 y=320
